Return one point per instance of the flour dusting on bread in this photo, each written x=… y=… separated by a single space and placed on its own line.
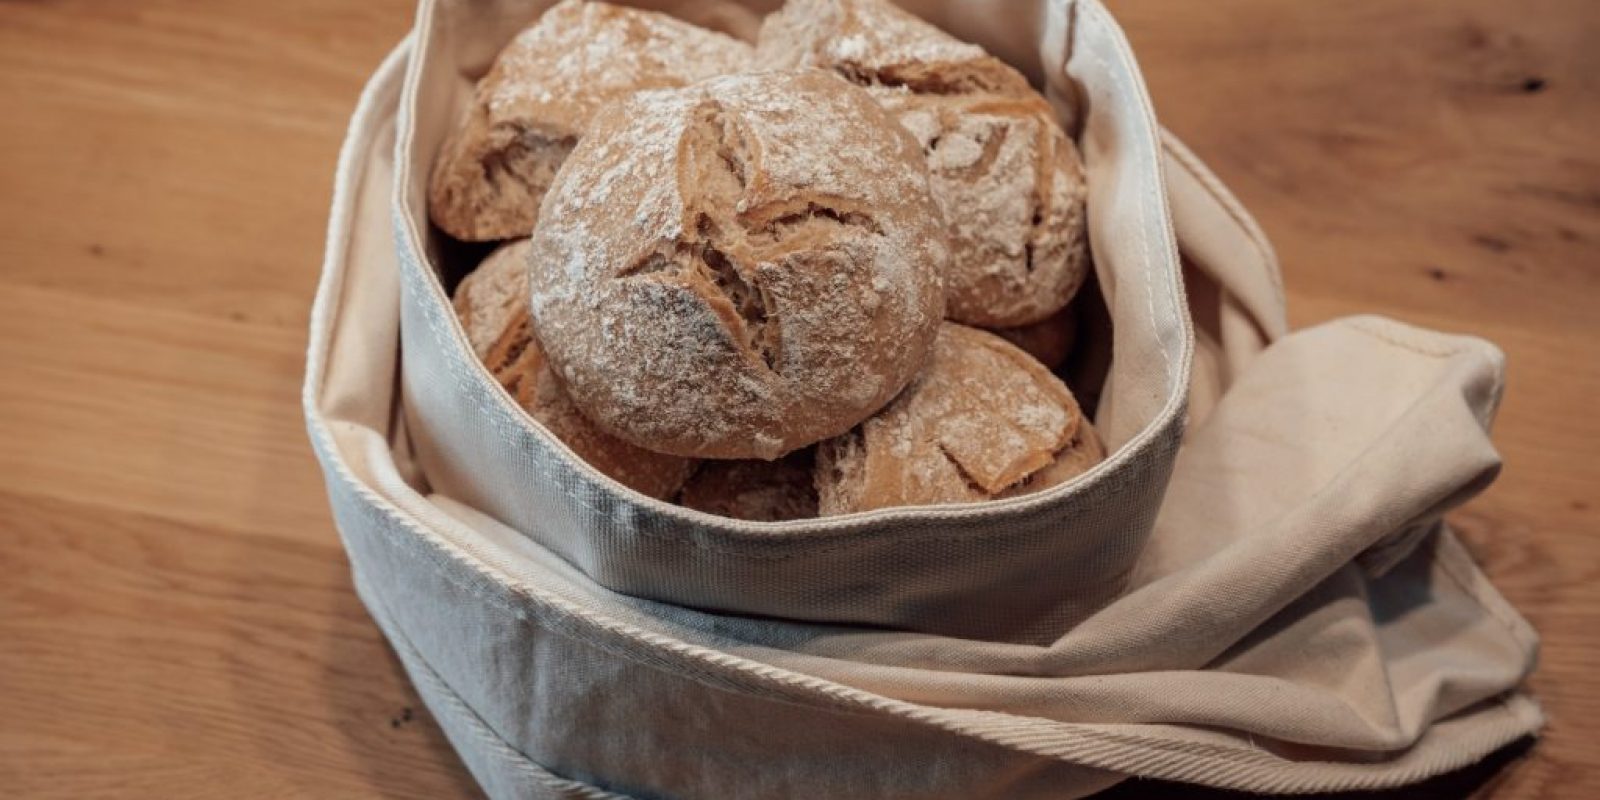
x=1008 y=178
x=983 y=420
x=540 y=97
x=742 y=267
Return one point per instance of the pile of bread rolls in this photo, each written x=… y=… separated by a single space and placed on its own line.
x=826 y=273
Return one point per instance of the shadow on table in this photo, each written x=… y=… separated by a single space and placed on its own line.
x=1463 y=783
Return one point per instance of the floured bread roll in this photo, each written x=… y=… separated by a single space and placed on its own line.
x=1010 y=180
x=739 y=268
x=492 y=305
x=539 y=98
x=492 y=294
x=982 y=421
x=751 y=489
x=1049 y=340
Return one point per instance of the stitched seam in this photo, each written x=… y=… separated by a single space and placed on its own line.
x=1155 y=193
x=1389 y=337
x=1370 y=327
x=862 y=538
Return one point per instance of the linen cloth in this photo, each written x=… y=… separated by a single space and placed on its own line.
x=1273 y=606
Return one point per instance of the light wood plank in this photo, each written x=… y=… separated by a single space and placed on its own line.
x=180 y=414
x=146 y=657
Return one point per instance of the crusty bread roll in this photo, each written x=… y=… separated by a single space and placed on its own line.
x=492 y=303
x=1010 y=180
x=1083 y=452
x=739 y=268
x=538 y=99
x=752 y=489
x=492 y=294
x=982 y=421
x=1049 y=340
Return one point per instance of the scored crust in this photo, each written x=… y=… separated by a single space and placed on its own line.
x=982 y=421
x=756 y=490
x=539 y=98
x=739 y=268
x=1009 y=179
x=492 y=303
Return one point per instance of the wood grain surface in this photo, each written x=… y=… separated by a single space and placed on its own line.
x=176 y=614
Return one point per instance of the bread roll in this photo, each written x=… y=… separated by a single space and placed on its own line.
x=982 y=421
x=494 y=299
x=1083 y=452
x=1009 y=179
x=756 y=490
x=739 y=268
x=492 y=294
x=539 y=98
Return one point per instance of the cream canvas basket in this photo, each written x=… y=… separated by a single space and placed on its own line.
x=1255 y=591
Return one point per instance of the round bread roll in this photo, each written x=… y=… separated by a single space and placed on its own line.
x=739 y=268
x=492 y=305
x=982 y=421
x=1009 y=178
x=1049 y=340
x=539 y=98
x=1083 y=452
x=751 y=489
x=493 y=293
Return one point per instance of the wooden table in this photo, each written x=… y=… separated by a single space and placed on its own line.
x=176 y=617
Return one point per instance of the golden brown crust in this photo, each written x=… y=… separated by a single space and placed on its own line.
x=493 y=307
x=751 y=489
x=1010 y=181
x=1077 y=457
x=1049 y=340
x=539 y=98
x=519 y=364
x=740 y=268
x=983 y=420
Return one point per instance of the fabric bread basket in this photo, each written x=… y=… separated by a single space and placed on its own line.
x=1254 y=591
